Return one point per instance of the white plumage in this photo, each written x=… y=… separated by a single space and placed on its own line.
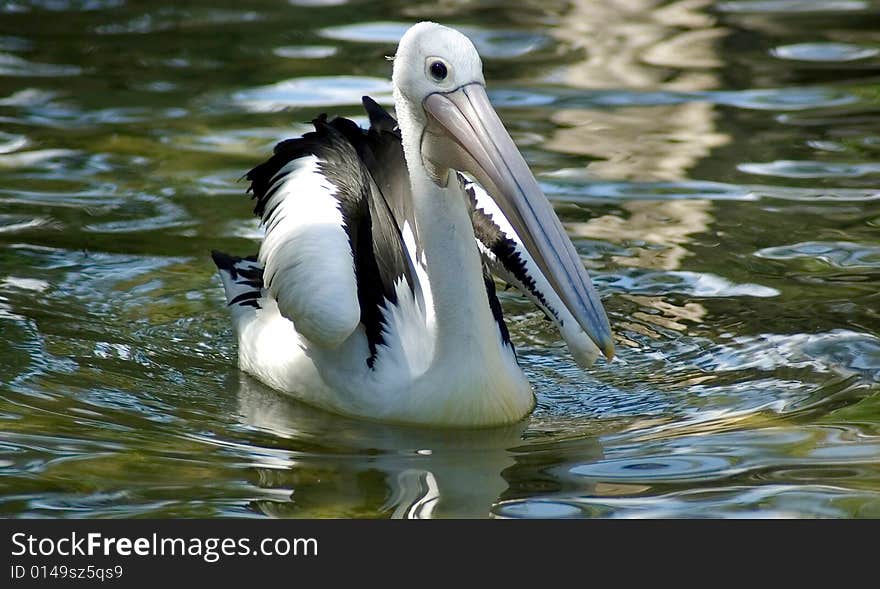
x=307 y=255
x=370 y=295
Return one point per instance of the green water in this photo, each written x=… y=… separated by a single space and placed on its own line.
x=716 y=163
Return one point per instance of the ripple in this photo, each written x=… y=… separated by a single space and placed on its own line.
x=808 y=474
x=9 y=43
x=842 y=254
x=848 y=352
x=815 y=194
x=43 y=158
x=373 y=32
x=491 y=43
x=784 y=98
x=772 y=99
x=305 y=51
x=158 y=214
x=833 y=52
x=248 y=229
x=840 y=351
x=13 y=223
x=10 y=142
x=740 y=501
x=656 y=468
x=316 y=92
x=791 y=6
x=561 y=97
x=28 y=97
x=12 y=65
x=311 y=3
x=830 y=146
x=545 y=509
x=67 y=5
x=32 y=284
x=512 y=98
x=168 y=19
x=220 y=182
x=244 y=142
x=809 y=169
x=100 y=196
x=68 y=166
x=576 y=184
x=158 y=86
x=697 y=284
x=39 y=109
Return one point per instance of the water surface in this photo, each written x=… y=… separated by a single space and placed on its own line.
x=716 y=163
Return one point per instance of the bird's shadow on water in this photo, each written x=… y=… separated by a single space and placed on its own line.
x=335 y=466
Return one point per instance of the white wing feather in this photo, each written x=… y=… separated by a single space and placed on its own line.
x=307 y=258
x=579 y=343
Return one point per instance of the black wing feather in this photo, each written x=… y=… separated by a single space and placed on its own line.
x=364 y=166
x=369 y=171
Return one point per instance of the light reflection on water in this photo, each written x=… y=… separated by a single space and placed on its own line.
x=714 y=162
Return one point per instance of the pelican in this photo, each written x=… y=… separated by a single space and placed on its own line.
x=372 y=293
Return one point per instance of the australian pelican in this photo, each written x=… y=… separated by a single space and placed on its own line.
x=372 y=293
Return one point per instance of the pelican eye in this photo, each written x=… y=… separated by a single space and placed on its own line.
x=438 y=70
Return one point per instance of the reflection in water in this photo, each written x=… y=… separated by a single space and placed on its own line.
x=658 y=231
x=410 y=472
x=638 y=44
x=626 y=42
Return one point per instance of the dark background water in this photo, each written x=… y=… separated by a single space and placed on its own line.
x=716 y=164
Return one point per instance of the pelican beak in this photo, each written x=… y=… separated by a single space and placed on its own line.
x=468 y=117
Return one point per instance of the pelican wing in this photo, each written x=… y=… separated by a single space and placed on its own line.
x=503 y=252
x=333 y=253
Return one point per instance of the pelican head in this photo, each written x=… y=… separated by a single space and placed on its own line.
x=446 y=118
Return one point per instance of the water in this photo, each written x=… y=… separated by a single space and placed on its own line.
x=717 y=165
